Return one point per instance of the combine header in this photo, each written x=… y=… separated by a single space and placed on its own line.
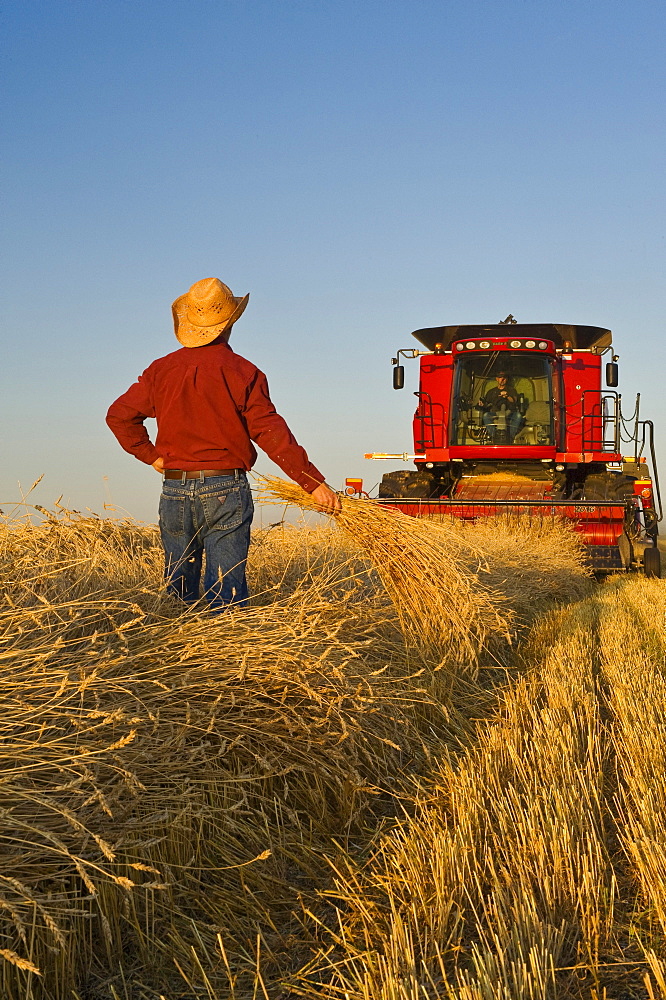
x=513 y=416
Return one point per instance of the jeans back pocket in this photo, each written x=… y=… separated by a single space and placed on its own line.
x=223 y=508
x=172 y=513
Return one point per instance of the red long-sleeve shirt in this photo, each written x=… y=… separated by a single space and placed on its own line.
x=210 y=405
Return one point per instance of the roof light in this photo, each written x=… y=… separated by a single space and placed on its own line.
x=459 y=347
x=515 y=343
x=530 y=343
x=470 y=345
x=543 y=345
x=485 y=344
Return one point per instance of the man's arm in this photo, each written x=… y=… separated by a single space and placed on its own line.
x=126 y=417
x=270 y=431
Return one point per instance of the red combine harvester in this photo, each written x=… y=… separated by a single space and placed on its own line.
x=513 y=416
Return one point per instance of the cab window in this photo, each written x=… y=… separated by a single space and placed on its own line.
x=501 y=399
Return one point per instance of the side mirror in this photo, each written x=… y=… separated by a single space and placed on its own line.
x=611 y=374
x=399 y=377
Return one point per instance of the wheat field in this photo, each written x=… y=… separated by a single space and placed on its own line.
x=428 y=761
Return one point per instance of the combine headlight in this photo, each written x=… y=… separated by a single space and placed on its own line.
x=485 y=344
x=543 y=345
x=514 y=343
x=530 y=343
x=459 y=347
x=470 y=345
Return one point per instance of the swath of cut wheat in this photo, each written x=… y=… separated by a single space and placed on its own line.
x=288 y=795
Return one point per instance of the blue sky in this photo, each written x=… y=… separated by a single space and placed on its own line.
x=363 y=169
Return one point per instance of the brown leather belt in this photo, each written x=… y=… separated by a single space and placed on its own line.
x=200 y=473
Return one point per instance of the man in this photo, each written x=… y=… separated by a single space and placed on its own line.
x=500 y=408
x=210 y=405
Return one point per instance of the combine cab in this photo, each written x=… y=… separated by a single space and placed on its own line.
x=514 y=417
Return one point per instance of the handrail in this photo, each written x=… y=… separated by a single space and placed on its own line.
x=655 y=471
x=605 y=419
x=427 y=416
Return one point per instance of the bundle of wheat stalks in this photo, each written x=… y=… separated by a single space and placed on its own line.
x=175 y=786
x=449 y=583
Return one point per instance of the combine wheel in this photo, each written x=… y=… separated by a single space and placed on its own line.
x=405 y=485
x=608 y=487
x=652 y=562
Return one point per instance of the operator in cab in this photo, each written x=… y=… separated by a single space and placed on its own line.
x=501 y=412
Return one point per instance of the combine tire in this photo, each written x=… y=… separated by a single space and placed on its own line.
x=608 y=487
x=405 y=485
x=652 y=563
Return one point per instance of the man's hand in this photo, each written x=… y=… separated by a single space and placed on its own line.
x=159 y=465
x=329 y=502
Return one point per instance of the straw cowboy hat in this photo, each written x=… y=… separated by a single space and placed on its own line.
x=206 y=311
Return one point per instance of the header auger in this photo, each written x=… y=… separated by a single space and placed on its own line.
x=513 y=416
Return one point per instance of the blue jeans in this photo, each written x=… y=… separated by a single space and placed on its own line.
x=210 y=516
